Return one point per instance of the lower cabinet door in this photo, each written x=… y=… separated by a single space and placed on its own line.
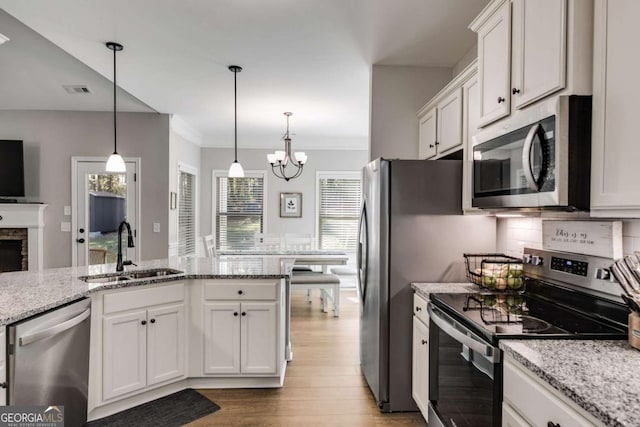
x=165 y=343
x=258 y=336
x=510 y=417
x=124 y=353
x=420 y=373
x=221 y=338
x=3 y=367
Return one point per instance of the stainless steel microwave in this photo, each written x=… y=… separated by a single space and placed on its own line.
x=541 y=158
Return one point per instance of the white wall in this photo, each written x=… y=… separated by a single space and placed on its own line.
x=319 y=160
x=187 y=153
x=514 y=234
x=51 y=138
x=397 y=93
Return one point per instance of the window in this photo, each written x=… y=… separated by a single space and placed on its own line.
x=339 y=199
x=239 y=210
x=186 y=210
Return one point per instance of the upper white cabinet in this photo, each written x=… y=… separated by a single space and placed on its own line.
x=530 y=49
x=470 y=126
x=539 y=51
x=494 y=63
x=441 y=120
x=615 y=188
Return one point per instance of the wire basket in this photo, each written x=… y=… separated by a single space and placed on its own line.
x=494 y=271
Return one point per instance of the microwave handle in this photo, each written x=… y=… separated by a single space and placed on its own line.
x=526 y=157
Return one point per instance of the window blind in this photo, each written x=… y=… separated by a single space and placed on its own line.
x=239 y=211
x=186 y=215
x=339 y=212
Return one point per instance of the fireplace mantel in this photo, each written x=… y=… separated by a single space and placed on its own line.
x=31 y=217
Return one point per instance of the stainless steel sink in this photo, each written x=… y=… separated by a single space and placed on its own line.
x=130 y=275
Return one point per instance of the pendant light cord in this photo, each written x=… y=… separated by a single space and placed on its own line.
x=115 y=127
x=235 y=114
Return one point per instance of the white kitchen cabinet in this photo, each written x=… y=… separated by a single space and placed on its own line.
x=528 y=400
x=539 y=43
x=449 y=127
x=420 y=355
x=615 y=155
x=3 y=367
x=428 y=134
x=470 y=126
x=241 y=338
x=143 y=339
x=124 y=353
x=531 y=49
x=494 y=63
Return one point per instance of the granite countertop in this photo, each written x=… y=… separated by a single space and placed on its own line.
x=602 y=377
x=425 y=288
x=24 y=294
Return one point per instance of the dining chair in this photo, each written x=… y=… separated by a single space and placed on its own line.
x=268 y=241
x=209 y=246
x=298 y=241
x=97 y=256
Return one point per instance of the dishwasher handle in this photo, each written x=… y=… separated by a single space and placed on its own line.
x=54 y=330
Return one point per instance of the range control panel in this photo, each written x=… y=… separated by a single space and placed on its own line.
x=579 y=268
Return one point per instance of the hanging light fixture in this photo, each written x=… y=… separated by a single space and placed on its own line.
x=235 y=170
x=115 y=163
x=281 y=160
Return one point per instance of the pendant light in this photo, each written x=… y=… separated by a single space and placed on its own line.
x=115 y=163
x=235 y=170
x=281 y=160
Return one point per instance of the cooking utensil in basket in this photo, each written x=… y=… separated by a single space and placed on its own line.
x=626 y=287
x=494 y=271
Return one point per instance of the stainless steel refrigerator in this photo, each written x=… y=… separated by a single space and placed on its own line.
x=411 y=230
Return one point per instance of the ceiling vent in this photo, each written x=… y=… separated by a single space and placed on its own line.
x=76 y=89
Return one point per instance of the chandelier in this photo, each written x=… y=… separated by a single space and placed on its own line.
x=283 y=164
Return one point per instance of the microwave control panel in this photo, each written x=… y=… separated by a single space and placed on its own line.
x=579 y=268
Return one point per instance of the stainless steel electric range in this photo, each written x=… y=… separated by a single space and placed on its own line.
x=565 y=296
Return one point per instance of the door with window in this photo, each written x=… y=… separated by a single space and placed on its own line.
x=102 y=201
x=239 y=210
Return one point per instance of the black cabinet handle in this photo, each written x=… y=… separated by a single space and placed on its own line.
x=424 y=342
x=1 y=218
x=80 y=240
x=235 y=313
x=418 y=308
x=514 y=91
x=431 y=145
x=437 y=143
x=501 y=100
x=3 y=384
x=244 y=314
x=81 y=231
x=152 y=320
x=240 y=292
x=144 y=322
x=552 y=424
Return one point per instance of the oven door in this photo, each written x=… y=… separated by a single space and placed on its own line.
x=517 y=169
x=465 y=375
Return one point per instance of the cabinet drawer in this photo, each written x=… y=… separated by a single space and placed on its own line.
x=141 y=298
x=420 y=308
x=527 y=395
x=240 y=291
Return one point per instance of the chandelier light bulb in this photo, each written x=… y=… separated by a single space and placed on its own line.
x=301 y=157
x=271 y=158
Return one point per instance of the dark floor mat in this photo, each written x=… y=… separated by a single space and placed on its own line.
x=174 y=410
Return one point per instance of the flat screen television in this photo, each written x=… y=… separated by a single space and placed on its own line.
x=11 y=169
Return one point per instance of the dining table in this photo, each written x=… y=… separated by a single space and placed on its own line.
x=290 y=257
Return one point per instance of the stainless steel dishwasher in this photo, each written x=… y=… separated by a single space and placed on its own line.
x=48 y=358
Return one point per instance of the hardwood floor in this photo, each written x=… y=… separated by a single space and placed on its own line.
x=323 y=385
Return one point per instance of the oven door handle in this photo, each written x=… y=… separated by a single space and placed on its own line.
x=447 y=325
x=526 y=158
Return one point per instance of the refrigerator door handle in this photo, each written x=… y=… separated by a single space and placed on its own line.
x=54 y=330
x=362 y=258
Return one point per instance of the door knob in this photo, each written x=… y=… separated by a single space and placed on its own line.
x=80 y=240
x=514 y=91
x=501 y=100
x=152 y=320
x=244 y=314
x=235 y=313
x=143 y=322
x=81 y=231
x=424 y=342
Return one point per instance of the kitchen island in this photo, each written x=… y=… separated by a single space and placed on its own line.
x=219 y=323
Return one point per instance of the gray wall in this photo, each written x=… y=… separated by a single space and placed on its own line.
x=397 y=93
x=188 y=153
x=465 y=60
x=51 y=138
x=319 y=160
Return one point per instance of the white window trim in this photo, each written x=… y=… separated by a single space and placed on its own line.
x=248 y=174
x=332 y=175
x=192 y=170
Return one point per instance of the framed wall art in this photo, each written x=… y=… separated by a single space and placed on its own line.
x=290 y=205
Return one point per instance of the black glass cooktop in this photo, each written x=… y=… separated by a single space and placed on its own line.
x=520 y=315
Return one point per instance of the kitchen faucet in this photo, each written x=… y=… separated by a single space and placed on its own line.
x=120 y=265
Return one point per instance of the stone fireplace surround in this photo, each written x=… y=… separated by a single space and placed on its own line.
x=15 y=218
